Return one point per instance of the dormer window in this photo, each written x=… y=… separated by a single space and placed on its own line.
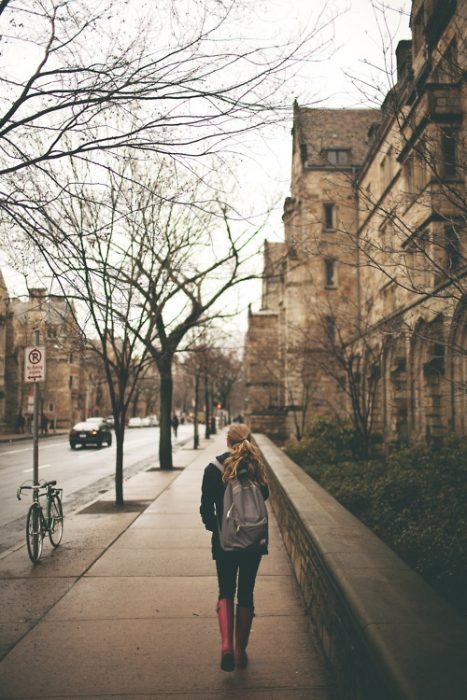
x=337 y=156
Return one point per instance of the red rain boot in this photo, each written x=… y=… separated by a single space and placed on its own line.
x=225 y=614
x=242 y=632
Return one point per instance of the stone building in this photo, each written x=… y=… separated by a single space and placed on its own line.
x=364 y=304
x=60 y=397
x=74 y=385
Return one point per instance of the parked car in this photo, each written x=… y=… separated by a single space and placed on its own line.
x=154 y=419
x=146 y=422
x=135 y=422
x=90 y=432
x=111 y=421
x=95 y=419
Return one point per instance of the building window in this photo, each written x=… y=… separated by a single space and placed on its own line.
x=447 y=70
x=449 y=152
x=416 y=169
x=453 y=249
x=330 y=327
x=338 y=156
x=330 y=272
x=70 y=381
x=386 y=166
x=329 y=223
x=71 y=358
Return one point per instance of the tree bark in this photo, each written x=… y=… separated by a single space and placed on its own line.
x=207 y=413
x=119 y=436
x=195 y=420
x=165 y=427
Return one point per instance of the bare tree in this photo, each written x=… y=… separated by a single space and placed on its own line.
x=189 y=259
x=228 y=375
x=102 y=77
x=86 y=245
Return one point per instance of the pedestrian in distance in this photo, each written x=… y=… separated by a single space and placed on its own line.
x=44 y=424
x=20 y=422
x=175 y=424
x=235 y=474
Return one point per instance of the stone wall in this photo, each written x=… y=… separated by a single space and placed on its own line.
x=384 y=631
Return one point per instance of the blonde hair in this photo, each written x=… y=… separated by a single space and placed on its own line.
x=243 y=453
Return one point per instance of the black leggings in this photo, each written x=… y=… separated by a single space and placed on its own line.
x=228 y=564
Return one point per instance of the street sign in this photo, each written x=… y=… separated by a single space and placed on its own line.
x=34 y=364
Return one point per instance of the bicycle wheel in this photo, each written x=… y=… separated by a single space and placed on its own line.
x=34 y=534
x=56 y=525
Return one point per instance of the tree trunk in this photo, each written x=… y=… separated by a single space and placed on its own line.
x=207 y=412
x=195 y=421
x=165 y=426
x=119 y=437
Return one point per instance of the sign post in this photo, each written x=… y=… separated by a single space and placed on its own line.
x=34 y=372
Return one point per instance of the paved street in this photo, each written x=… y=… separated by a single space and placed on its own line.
x=82 y=473
x=125 y=607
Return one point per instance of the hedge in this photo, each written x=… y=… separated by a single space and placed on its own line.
x=415 y=499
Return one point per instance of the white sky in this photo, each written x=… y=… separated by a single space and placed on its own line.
x=362 y=36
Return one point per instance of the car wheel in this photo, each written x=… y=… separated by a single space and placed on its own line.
x=109 y=440
x=72 y=445
x=99 y=444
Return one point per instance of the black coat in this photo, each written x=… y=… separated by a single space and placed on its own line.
x=212 y=502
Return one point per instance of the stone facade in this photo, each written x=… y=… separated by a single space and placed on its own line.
x=364 y=304
x=74 y=385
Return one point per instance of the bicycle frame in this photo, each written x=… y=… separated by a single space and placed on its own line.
x=37 y=495
x=41 y=519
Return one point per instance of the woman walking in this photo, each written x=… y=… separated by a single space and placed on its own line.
x=235 y=569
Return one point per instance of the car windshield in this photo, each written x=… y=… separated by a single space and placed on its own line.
x=85 y=425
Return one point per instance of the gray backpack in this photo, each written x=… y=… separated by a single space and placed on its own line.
x=245 y=518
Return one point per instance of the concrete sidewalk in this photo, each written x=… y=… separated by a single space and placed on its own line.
x=125 y=607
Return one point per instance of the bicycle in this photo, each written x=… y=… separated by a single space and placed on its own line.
x=39 y=523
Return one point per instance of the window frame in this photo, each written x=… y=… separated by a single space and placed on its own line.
x=330 y=273
x=453 y=248
x=329 y=207
x=338 y=152
x=449 y=136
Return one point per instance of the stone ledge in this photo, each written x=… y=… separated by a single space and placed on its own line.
x=385 y=632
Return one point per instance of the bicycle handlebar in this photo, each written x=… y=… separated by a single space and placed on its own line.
x=39 y=486
x=35 y=487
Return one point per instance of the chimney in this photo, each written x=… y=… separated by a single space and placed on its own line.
x=404 y=59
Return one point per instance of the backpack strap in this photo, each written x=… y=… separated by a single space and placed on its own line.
x=218 y=464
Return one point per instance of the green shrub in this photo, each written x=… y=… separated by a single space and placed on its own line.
x=328 y=441
x=415 y=499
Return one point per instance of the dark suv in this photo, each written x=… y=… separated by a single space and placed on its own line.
x=90 y=432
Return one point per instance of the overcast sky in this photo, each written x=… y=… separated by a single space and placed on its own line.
x=363 y=44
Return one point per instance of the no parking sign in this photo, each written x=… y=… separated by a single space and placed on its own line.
x=34 y=364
